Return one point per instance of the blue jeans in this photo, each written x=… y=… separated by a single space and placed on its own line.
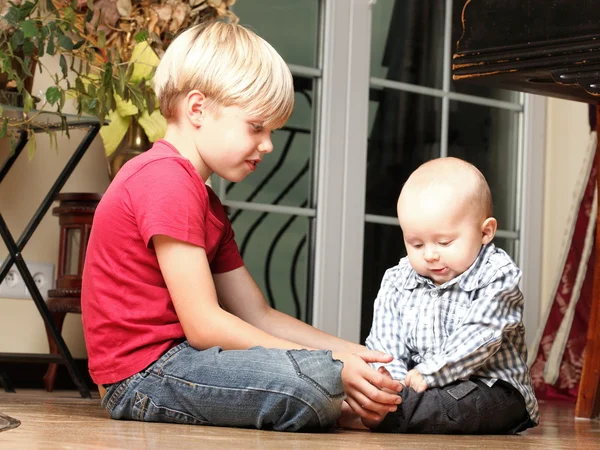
x=285 y=390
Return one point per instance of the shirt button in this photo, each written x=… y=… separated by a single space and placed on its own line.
x=434 y=294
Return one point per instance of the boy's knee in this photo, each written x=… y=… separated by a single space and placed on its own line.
x=321 y=384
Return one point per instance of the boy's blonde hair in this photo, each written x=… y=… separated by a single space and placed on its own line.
x=230 y=65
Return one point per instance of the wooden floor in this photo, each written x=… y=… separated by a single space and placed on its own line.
x=63 y=420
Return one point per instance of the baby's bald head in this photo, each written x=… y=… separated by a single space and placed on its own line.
x=446 y=180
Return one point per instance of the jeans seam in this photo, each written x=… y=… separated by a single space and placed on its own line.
x=310 y=380
x=167 y=356
x=116 y=396
x=251 y=388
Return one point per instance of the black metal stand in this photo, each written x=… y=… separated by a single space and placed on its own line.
x=15 y=257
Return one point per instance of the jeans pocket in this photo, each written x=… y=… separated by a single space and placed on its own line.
x=318 y=368
x=145 y=410
x=462 y=401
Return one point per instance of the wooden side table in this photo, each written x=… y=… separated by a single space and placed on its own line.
x=75 y=216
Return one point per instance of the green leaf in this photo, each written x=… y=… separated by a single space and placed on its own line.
x=17 y=38
x=101 y=39
x=40 y=46
x=26 y=66
x=141 y=36
x=12 y=16
x=28 y=48
x=63 y=66
x=65 y=42
x=4 y=128
x=70 y=15
x=52 y=95
x=31 y=146
x=25 y=10
x=50 y=49
x=144 y=61
x=151 y=103
x=90 y=13
x=29 y=28
x=107 y=75
x=27 y=102
x=113 y=133
x=125 y=107
x=80 y=86
x=155 y=125
x=50 y=6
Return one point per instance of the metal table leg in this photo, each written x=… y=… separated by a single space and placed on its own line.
x=15 y=249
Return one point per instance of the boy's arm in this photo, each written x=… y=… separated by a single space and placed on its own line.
x=187 y=274
x=496 y=310
x=387 y=329
x=240 y=295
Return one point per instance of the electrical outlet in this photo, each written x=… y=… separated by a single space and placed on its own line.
x=13 y=285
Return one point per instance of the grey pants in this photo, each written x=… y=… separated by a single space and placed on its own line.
x=463 y=407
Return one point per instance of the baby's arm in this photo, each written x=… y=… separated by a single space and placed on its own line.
x=387 y=331
x=496 y=310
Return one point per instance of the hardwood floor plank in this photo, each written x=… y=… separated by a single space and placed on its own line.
x=64 y=420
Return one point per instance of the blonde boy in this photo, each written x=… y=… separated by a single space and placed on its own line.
x=451 y=312
x=176 y=328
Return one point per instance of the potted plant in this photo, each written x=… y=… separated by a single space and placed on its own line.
x=107 y=50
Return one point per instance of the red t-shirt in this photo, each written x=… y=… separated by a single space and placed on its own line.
x=129 y=320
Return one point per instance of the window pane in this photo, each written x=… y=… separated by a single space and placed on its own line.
x=384 y=247
x=284 y=176
x=275 y=251
x=488 y=138
x=408 y=41
x=479 y=90
x=404 y=132
x=290 y=26
x=508 y=245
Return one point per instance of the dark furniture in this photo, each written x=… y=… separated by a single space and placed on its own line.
x=75 y=215
x=15 y=247
x=548 y=48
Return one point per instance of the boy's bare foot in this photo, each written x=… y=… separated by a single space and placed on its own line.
x=371 y=424
x=349 y=419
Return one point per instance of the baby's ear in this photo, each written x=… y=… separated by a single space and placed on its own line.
x=488 y=230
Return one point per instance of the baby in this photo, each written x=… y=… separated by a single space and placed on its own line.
x=450 y=313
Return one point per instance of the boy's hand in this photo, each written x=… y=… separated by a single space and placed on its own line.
x=365 y=387
x=415 y=380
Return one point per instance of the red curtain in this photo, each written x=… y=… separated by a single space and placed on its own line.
x=556 y=368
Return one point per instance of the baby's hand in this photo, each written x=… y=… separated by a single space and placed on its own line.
x=415 y=380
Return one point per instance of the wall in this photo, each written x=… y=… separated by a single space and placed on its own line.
x=567 y=136
x=21 y=327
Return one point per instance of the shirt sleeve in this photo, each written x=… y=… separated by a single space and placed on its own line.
x=166 y=199
x=387 y=331
x=228 y=256
x=496 y=310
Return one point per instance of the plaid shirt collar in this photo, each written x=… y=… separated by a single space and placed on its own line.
x=469 y=280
